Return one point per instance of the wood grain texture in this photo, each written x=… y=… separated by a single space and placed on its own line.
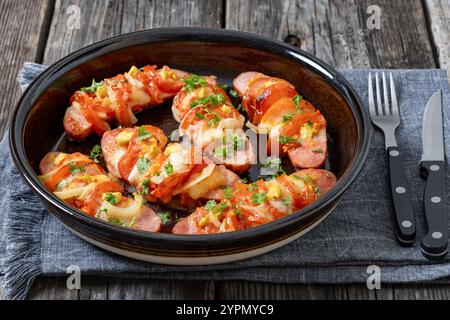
x=101 y=19
x=438 y=14
x=20 y=42
x=336 y=31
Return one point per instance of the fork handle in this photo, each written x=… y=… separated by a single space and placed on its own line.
x=405 y=227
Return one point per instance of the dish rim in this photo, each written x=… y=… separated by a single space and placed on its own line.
x=245 y=39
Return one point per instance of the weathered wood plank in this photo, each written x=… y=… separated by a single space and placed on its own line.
x=133 y=289
x=438 y=14
x=336 y=31
x=250 y=290
x=98 y=20
x=20 y=42
x=52 y=288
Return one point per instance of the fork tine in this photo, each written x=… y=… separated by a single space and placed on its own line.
x=386 y=97
x=377 y=86
x=372 y=109
x=395 y=110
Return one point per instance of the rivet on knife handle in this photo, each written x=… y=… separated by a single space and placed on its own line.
x=435 y=242
x=405 y=226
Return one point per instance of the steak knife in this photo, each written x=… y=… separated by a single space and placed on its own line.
x=435 y=243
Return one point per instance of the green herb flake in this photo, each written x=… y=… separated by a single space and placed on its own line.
x=93 y=87
x=287 y=117
x=243 y=180
x=194 y=81
x=240 y=108
x=220 y=208
x=297 y=99
x=252 y=187
x=286 y=201
x=168 y=168
x=310 y=124
x=145 y=186
x=142 y=165
x=115 y=221
x=110 y=198
x=96 y=153
x=143 y=133
x=287 y=139
x=228 y=193
x=221 y=152
x=233 y=93
x=214 y=120
x=317 y=190
x=200 y=115
x=259 y=198
x=76 y=168
x=237 y=212
x=103 y=210
x=212 y=100
x=318 y=150
x=210 y=205
x=165 y=217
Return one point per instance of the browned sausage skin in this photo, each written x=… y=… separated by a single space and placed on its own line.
x=295 y=127
x=250 y=205
x=117 y=99
x=82 y=183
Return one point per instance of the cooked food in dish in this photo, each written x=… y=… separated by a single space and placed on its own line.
x=295 y=127
x=249 y=205
x=209 y=119
x=199 y=173
x=140 y=156
x=79 y=181
x=93 y=108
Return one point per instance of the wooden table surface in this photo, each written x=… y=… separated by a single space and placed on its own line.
x=412 y=34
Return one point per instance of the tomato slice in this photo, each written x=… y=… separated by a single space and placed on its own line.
x=94 y=199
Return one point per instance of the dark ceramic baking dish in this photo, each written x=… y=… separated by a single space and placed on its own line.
x=36 y=128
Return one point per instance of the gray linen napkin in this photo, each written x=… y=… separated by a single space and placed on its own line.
x=359 y=233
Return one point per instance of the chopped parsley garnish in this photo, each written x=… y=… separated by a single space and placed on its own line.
x=227 y=192
x=316 y=190
x=237 y=212
x=145 y=185
x=75 y=168
x=143 y=133
x=194 y=81
x=220 y=208
x=96 y=153
x=259 y=198
x=224 y=87
x=165 y=217
x=142 y=165
x=115 y=221
x=210 y=205
x=214 y=120
x=286 y=117
x=200 y=115
x=168 y=168
x=286 y=201
x=103 y=210
x=287 y=139
x=213 y=100
x=318 y=150
x=110 y=198
x=93 y=87
x=308 y=180
x=243 y=180
x=309 y=124
x=297 y=99
x=233 y=93
x=252 y=187
x=240 y=108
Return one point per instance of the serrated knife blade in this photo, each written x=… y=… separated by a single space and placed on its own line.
x=432 y=130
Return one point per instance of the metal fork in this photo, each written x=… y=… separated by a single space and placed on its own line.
x=387 y=118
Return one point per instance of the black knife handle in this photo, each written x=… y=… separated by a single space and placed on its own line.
x=405 y=226
x=435 y=242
